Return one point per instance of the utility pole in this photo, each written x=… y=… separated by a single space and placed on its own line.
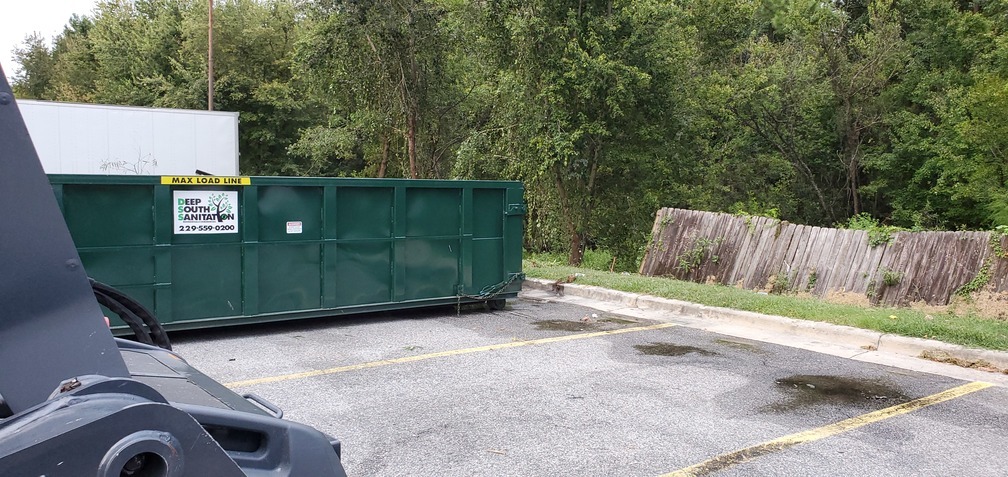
x=210 y=66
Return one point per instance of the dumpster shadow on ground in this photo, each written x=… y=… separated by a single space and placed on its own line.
x=301 y=325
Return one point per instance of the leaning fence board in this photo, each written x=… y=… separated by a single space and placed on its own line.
x=754 y=276
x=840 y=261
x=803 y=259
x=747 y=241
x=761 y=274
x=873 y=260
x=710 y=267
x=797 y=238
x=857 y=263
x=747 y=251
x=999 y=267
x=914 y=254
x=823 y=256
x=729 y=249
x=960 y=244
x=779 y=263
x=752 y=254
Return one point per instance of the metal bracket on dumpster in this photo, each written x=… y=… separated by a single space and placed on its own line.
x=516 y=209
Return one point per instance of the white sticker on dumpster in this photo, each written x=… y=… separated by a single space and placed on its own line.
x=294 y=227
x=206 y=211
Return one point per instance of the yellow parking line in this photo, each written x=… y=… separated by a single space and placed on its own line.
x=441 y=354
x=725 y=461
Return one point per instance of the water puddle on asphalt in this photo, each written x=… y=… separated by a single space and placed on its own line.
x=805 y=391
x=565 y=325
x=670 y=349
x=739 y=345
x=619 y=321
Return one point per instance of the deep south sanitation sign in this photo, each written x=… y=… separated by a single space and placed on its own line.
x=205 y=211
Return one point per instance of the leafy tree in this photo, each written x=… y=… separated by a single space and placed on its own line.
x=254 y=58
x=581 y=99
x=382 y=69
x=74 y=63
x=153 y=53
x=606 y=109
x=931 y=171
x=34 y=78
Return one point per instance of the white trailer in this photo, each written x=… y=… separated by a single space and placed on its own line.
x=76 y=138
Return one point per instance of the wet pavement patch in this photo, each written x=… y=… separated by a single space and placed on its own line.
x=739 y=345
x=565 y=325
x=670 y=349
x=619 y=321
x=804 y=391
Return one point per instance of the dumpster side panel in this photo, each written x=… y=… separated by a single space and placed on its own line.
x=106 y=265
x=430 y=267
x=103 y=215
x=513 y=233
x=363 y=212
x=363 y=273
x=488 y=213
x=290 y=248
x=289 y=277
x=112 y=225
x=364 y=219
x=289 y=213
x=300 y=247
x=488 y=238
x=433 y=212
x=206 y=282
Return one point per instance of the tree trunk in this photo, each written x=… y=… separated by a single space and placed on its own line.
x=411 y=143
x=576 y=250
x=853 y=168
x=383 y=165
x=576 y=253
x=852 y=153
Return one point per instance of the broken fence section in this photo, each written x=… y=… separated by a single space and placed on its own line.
x=761 y=253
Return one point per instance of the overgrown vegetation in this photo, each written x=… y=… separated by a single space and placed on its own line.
x=977 y=283
x=779 y=283
x=863 y=113
x=813 y=277
x=964 y=327
x=697 y=253
x=997 y=237
x=891 y=277
x=878 y=234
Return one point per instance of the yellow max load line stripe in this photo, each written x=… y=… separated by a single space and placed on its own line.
x=441 y=354
x=206 y=180
x=730 y=459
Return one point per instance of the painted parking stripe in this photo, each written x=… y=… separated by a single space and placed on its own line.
x=730 y=459
x=441 y=354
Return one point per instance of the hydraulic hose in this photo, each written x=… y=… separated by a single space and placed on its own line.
x=131 y=320
x=154 y=333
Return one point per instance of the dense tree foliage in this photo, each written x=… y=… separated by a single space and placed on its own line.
x=607 y=109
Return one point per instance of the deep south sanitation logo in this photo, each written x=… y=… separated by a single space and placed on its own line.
x=205 y=212
x=216 y=209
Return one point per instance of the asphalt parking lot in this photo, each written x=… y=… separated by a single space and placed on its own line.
x=548 y=388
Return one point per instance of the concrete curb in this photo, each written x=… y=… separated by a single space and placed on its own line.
x=811 y=330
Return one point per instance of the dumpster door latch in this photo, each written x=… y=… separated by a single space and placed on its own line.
x=515 y=209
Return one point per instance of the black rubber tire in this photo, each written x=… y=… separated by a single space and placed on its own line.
x=497 y=304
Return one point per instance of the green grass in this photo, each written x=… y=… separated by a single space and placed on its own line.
x=969 y=330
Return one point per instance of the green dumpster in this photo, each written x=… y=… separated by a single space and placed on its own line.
x=204 y=251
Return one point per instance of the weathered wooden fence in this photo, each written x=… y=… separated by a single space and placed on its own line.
x=760 y=253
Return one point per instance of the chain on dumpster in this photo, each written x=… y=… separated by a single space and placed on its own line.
x=489 y=292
